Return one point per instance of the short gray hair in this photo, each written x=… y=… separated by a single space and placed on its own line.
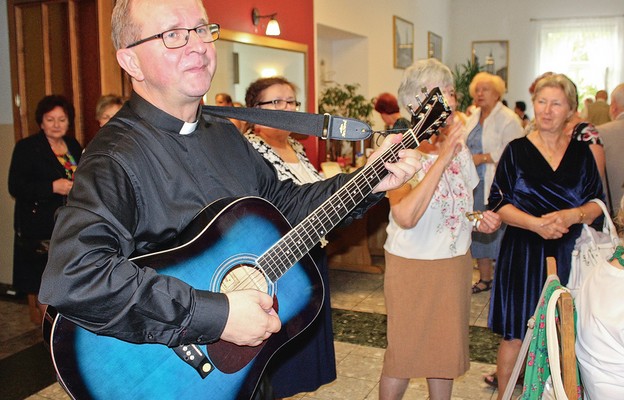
x=423 y=73
x=124 y=30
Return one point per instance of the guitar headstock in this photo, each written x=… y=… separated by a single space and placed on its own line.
x=430 y=115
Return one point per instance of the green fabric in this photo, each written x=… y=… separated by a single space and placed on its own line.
x=537 y=369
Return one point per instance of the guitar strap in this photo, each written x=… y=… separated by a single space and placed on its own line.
x=325 y=126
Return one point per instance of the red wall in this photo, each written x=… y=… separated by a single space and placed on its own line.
x=296 y=24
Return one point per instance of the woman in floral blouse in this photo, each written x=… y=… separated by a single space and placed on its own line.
x=427 y=284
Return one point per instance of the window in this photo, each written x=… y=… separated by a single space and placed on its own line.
x=589 y=51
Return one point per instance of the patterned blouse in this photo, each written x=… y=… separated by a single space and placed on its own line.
x=69 y=163
x=284 y=170
x=586 y=132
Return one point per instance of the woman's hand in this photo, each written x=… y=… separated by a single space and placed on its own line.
x=552 y=225
x=62 y=186
x=567 y=217
x=452 y=143
x=490 y=222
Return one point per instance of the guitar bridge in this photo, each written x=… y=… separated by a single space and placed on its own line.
x=193 y=356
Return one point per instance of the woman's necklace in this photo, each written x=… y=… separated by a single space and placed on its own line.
x=549 y=155
x=58 y=147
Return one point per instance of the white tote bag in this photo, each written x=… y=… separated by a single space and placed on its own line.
x=590 y=247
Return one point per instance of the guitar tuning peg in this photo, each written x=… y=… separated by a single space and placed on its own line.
x=419 y=101
x=410 y=108
x=424 y=91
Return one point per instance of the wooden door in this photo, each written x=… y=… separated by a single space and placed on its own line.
x=61 y=47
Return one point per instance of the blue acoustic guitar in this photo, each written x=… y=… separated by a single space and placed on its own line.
x=232 y=244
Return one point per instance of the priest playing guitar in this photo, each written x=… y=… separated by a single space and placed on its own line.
x=173 y=269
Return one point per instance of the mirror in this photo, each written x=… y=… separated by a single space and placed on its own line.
x=242 y=58
x=493 y=56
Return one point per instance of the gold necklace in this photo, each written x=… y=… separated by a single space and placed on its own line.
x=549 y=155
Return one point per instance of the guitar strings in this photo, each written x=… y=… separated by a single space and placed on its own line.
x=358 y=181
x=280 y=257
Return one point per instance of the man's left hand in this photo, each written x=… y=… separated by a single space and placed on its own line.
x=400 y=171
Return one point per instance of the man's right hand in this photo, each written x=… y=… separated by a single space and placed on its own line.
x=251 y=319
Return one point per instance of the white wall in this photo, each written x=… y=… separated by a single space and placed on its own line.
x=511 y=20
x=365 y=54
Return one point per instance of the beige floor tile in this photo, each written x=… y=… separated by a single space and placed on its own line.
x=344 y=388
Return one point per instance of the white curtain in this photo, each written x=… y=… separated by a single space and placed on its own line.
x=589 y=50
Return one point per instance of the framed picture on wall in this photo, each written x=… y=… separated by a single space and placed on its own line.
x=403 y=42
x=493 y=57
x=434 y=46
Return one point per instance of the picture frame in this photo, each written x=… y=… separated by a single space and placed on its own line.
x=493 y=57
x=434 y=46
x=403 y=42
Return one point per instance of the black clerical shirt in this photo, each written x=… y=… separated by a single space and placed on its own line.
x=138 y=185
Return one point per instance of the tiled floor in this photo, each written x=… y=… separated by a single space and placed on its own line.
x=358 y=366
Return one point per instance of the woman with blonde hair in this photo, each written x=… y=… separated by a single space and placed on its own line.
x=491 y=126
x=106 y=107
x=543 y=187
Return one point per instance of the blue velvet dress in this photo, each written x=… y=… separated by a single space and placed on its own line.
x=526 y=180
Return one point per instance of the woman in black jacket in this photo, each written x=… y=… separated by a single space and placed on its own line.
x=40 y=177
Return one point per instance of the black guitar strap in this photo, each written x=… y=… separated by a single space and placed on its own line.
x=324 y=126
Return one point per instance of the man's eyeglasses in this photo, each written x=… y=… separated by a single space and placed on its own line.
x=179 y=37
x=279 y=104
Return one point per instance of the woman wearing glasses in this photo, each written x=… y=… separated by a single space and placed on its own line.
x=308 y=361
x=284 y=152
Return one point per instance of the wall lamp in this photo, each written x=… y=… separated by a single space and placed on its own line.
x=272 y=28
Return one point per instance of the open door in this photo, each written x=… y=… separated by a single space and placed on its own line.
x=61 y=47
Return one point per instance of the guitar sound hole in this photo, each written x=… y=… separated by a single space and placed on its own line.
x=244 y=277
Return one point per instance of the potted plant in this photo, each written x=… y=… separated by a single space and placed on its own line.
x=345 y=101
x=463 y=75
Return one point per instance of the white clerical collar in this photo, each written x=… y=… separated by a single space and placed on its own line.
x=188 y=127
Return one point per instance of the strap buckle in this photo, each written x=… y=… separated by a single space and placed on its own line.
x=326 y=124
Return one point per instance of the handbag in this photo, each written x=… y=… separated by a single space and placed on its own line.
x=539 y=353
x=590 y=247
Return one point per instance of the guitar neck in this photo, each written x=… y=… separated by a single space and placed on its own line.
x=302 y=238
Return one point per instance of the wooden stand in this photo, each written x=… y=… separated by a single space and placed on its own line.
x=356 y=247
x=567 y=337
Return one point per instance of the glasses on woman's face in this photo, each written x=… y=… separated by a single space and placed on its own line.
x=279 y=104
x=175 y=38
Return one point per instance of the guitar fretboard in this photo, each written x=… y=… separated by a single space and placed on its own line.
x=302 y=238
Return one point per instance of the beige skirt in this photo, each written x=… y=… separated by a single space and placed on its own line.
x=428 y=306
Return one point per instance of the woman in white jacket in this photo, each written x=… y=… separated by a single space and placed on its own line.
x=491 y=126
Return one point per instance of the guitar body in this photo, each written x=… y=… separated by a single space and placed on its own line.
x=224 y=239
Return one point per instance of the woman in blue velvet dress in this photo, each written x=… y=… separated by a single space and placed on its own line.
x=543 y=186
